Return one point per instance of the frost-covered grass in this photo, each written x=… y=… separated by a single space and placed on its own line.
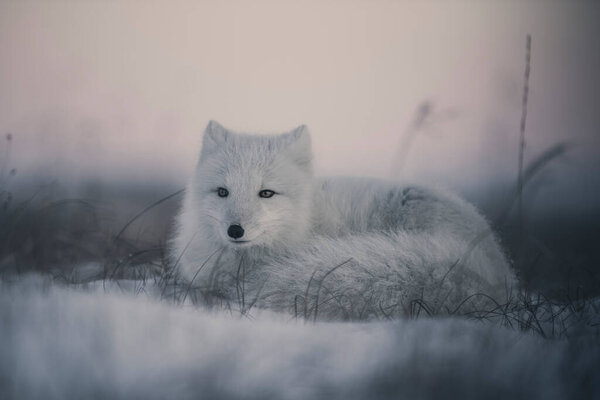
x=123 y=326
x=106 y=317
x=67 y=342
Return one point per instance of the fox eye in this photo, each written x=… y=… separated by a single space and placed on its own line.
x=266 y=193
x=222 y=192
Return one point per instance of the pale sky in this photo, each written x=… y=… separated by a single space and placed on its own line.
x=123 y=90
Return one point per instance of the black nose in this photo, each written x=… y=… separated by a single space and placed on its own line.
x=235 y=231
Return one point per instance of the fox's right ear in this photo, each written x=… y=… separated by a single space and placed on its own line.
x=298 y=146
x=215 y=135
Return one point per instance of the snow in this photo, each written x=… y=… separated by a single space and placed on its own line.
x=74 y=342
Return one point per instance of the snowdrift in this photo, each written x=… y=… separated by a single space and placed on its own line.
x=59 y=342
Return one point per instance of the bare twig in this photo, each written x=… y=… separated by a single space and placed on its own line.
x=144 y=211
x=520 y=180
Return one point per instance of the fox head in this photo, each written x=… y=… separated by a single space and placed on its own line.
x=252 y=190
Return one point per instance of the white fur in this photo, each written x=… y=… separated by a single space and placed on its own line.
x=348 y=248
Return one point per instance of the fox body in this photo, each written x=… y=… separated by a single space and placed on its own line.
x=258 y=229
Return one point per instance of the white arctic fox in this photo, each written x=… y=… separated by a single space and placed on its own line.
x=258 y=229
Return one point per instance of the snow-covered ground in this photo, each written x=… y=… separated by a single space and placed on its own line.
x=59 y=342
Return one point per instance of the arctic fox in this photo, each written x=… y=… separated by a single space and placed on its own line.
x=258 y=229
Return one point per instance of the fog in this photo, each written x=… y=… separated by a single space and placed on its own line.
x=122 y=90
x=102 y=109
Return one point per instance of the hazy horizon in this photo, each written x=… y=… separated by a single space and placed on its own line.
x=122 y=91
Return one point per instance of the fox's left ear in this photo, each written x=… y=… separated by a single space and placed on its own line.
x=298 y=146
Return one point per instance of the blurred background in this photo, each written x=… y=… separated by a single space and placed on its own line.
x=103 y=104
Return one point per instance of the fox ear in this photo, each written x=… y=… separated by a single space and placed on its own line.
x=298 y=146
x=215 y=135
